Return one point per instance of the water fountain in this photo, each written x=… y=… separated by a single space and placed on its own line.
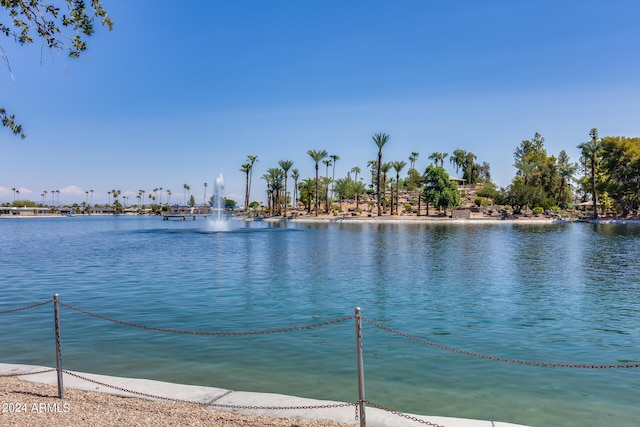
x=217 y=222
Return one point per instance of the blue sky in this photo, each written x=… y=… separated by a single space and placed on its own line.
x=180 y=92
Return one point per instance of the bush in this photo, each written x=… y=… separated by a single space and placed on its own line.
x=538 y=210
x=408 y=208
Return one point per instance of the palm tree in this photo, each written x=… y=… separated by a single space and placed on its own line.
x=458 y=159
x=358 y=189
x=412 y=159
x=204 y=201
x=438 y=158
x=295 y=174
x=267 y=178
x=44 y=196
x=274 y=178
x=168 y=197
x=385 y=168
x=246 y=168
x=91 y=202
x=285 y=165
x=398 y=166
x=108 y=195
x=343 y=187
x=251 y=160
x=186 y=190
x=317 y=157
x=356 y=170
x=525 y=168
x=335 y=158
x=380 y=140
x=591 y=150
x=14 y=193
x=306 y=186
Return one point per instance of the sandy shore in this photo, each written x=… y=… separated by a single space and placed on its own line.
x=27 y=404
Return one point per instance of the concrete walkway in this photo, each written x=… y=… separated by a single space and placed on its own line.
x=216 y=396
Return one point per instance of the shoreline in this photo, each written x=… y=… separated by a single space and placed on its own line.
x=92 y=403
x=384 y=219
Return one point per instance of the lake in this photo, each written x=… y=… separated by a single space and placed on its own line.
x=556 y=293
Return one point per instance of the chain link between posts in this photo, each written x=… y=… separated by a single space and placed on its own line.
x=403 y=415
x=13 y=310
x=183 y=332
x=20 y=374
x=497 y=358
x=217 y=405
x=291 y=329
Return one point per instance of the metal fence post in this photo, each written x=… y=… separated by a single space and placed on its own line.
x=56 y=315
x=363 y=421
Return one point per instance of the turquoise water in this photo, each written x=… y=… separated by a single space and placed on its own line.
x=562 y=293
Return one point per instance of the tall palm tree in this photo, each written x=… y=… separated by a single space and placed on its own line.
x=458 y=159
x=267 y=177
x=285 y=165
x=398 y=166
x=251 y=160
x=590 y=150
x=246 y=168
x=334 y=158
x=14 y=193
x=412 y=159
x=295 y=174
x=90 y=191
x=380 y=140
x=356 y=170
x=205 y=194
x=317 y=156
x=168 y=197
x=438 y=158
x=45 y=196
x=385 y=168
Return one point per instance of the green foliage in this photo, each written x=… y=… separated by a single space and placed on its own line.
x=29 y=20
x=472 y=172
x=541 y=180
x=620 y=172
x=538 y=210
x=24 y=203
x=229 y=203
x=489 y=191
x=439 y=191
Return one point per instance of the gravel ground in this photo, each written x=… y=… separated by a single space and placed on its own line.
x=27 y=404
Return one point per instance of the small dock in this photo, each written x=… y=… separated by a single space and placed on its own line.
x=182 y=213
